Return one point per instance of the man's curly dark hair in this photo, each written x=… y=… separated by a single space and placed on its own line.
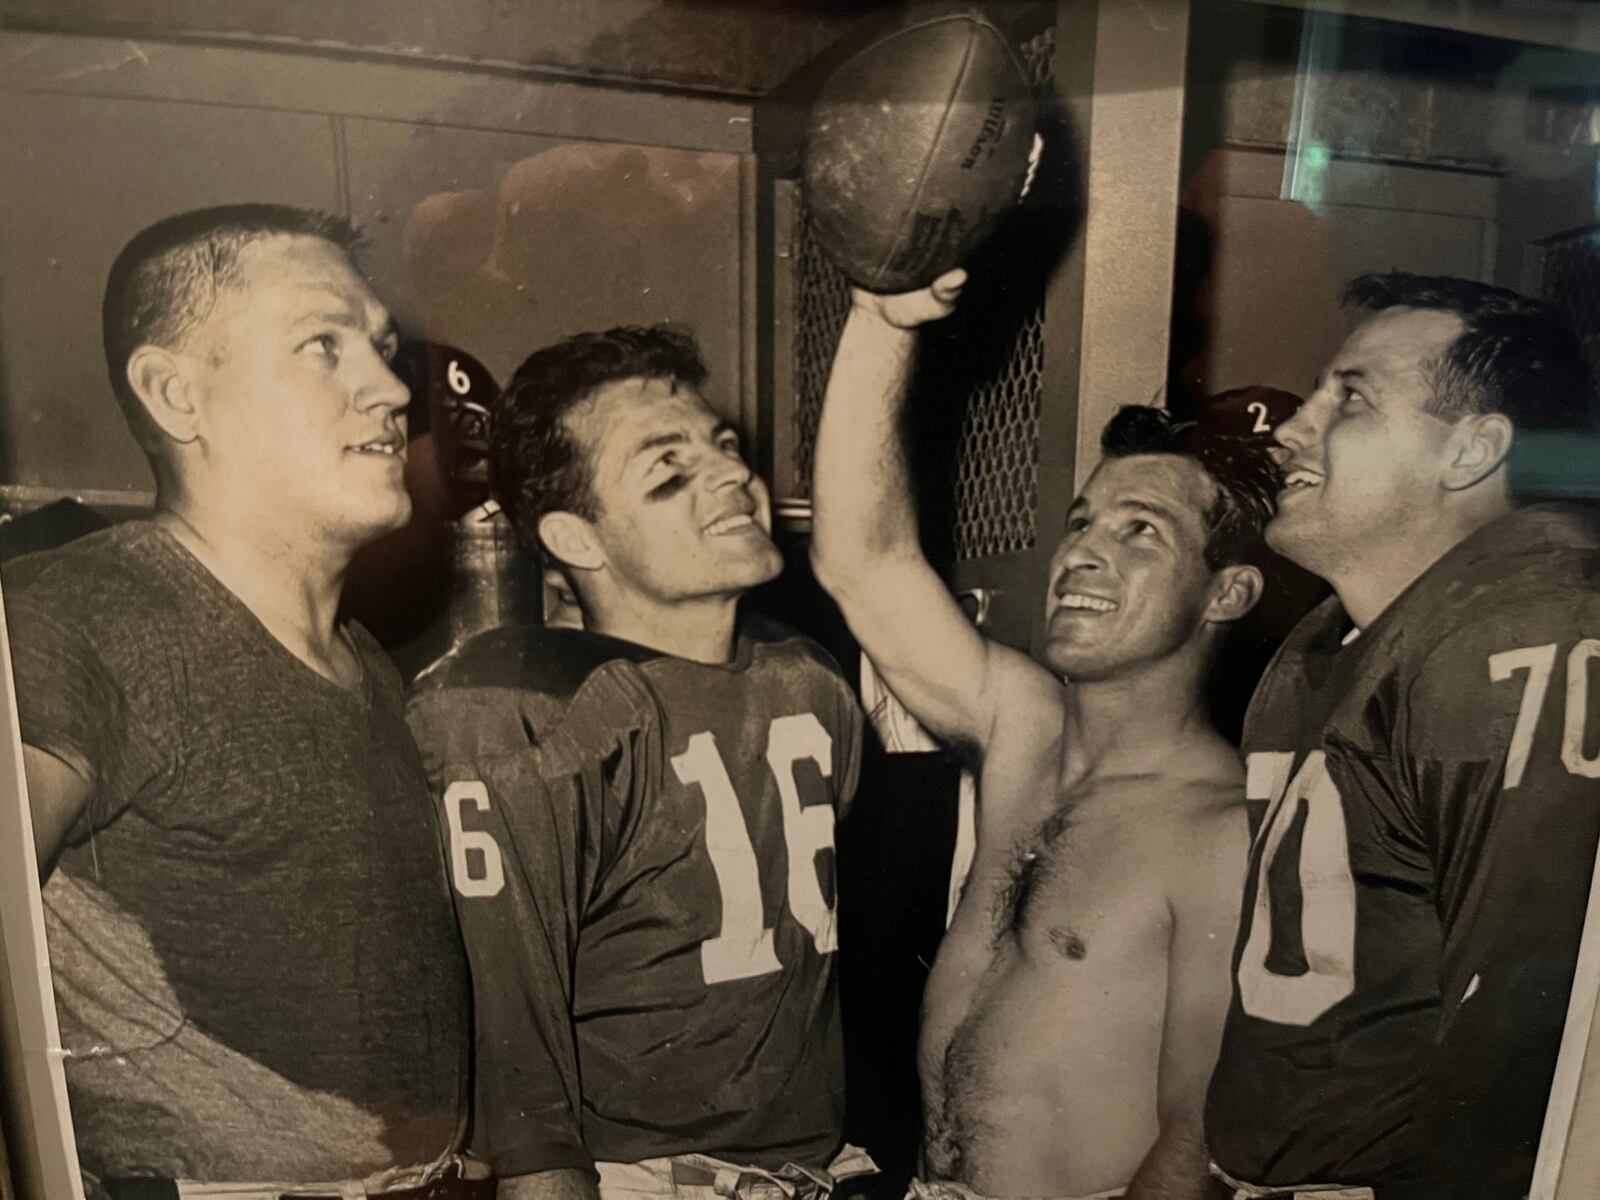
x=536 y=463
x=1240 y=464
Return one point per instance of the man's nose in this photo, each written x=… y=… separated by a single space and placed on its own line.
x=728 y=470
x=1078 y=552
x=1295 y=434
x=383 y=389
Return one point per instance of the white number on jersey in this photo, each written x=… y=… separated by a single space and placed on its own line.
x=1327 y=893
x=1539 y=662
x=806 y=831
x=743 y=947
x=493 y=877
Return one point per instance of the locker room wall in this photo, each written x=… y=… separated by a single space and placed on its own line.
x=1424 y=149
x=737 y=46
x=501 y=213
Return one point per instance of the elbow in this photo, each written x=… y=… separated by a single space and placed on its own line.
x=829 y=566
x=848 y=574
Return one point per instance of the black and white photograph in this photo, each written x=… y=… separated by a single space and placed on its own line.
x=799 y=600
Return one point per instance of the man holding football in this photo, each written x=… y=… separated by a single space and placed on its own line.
x=1072 y=1016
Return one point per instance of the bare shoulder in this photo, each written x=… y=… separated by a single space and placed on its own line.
x=1018 y=677
x=1204 y=837
x=1029 y=700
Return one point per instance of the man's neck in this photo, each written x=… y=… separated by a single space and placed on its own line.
x=1376 y=579
x=291 y=587
x=1129 y=724
x=699 y=630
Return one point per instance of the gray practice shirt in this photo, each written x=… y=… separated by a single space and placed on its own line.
x=258 y=970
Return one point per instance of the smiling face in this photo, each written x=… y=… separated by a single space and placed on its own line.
x=300 y=415
x=1129 y=584
x=1128 y=581
x=681 y=515
x=1362 y=457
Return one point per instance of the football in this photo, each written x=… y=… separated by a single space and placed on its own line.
x=917 y=147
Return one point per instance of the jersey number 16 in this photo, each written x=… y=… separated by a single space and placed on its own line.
x=743 y=946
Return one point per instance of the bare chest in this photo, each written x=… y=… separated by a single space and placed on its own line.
x=1064 y=878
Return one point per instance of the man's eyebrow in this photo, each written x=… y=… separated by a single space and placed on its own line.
x=657 y=440
x=342 y=317
x=1151 y=507
x=677 y=438
x=329 y=308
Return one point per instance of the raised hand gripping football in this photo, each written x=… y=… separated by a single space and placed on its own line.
x=907 y=310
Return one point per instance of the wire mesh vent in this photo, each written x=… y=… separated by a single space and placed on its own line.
x=1572 y=286
x=997 y=457
x=822 y=302
x=996 y=467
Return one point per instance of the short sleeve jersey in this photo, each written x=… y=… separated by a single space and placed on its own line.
x=643 y=851
x=262 y=851
x=1418 y=883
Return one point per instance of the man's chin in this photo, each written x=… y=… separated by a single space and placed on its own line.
x=381 y=521
x=1286 y=534
x=1072 y=660
x=765 y=566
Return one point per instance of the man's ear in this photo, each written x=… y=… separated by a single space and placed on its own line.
x=1236 y=589
x=1478 y=446
x=161 y=379
x=572 y=539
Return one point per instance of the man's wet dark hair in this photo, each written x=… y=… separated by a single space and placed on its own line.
x=537 y=464
x=1241 y=465
x=168 y=277
x=1515 y=356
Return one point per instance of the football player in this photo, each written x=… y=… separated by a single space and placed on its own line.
x=641 y=814
x=260 y=985
x=1074 y=1010
x=1425 y=750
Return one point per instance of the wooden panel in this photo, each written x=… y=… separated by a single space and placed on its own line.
x=83 y=175
x=1280 y=266
x=500 y=243
x=737 y=45
x=313 y=80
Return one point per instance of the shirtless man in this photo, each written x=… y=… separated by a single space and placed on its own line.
x=1074 y=1011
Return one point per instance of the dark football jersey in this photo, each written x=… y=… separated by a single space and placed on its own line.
x=1418 y=881
x=642 y=847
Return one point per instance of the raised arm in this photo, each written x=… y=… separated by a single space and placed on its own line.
x=865 y=548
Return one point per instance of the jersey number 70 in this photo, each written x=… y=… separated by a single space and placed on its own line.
x=743 y=947
x=1327 y=900
x=1327 y=892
